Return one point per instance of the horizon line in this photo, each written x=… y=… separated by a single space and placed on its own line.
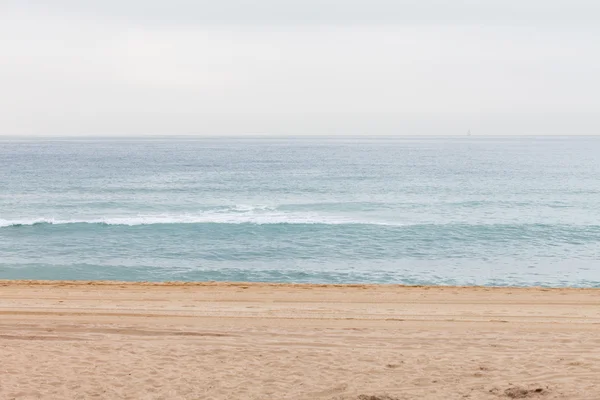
x=278 y=136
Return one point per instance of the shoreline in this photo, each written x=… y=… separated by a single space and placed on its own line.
x=45 y=282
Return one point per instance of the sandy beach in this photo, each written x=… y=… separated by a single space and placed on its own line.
x=95 y=340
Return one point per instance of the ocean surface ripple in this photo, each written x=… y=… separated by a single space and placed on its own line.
x=440 y=211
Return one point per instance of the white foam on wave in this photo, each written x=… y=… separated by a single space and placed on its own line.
x=242 y=216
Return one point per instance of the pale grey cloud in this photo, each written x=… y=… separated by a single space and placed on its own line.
x=286 y=12
x=299 y=67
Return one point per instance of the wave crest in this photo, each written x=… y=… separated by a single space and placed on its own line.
x=206 y=218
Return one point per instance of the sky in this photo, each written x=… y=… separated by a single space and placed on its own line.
x=299 y=67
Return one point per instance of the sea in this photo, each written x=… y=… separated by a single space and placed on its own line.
x=498 y=211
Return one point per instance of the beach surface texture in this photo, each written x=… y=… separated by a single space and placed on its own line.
x=102 y=340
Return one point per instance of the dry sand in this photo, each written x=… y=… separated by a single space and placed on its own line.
x=99 y=340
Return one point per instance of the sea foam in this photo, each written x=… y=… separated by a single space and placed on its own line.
x=201 y=218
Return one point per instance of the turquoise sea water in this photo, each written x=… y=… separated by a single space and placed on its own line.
x=490 y=211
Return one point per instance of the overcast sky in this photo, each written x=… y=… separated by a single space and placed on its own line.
x=233 y=67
